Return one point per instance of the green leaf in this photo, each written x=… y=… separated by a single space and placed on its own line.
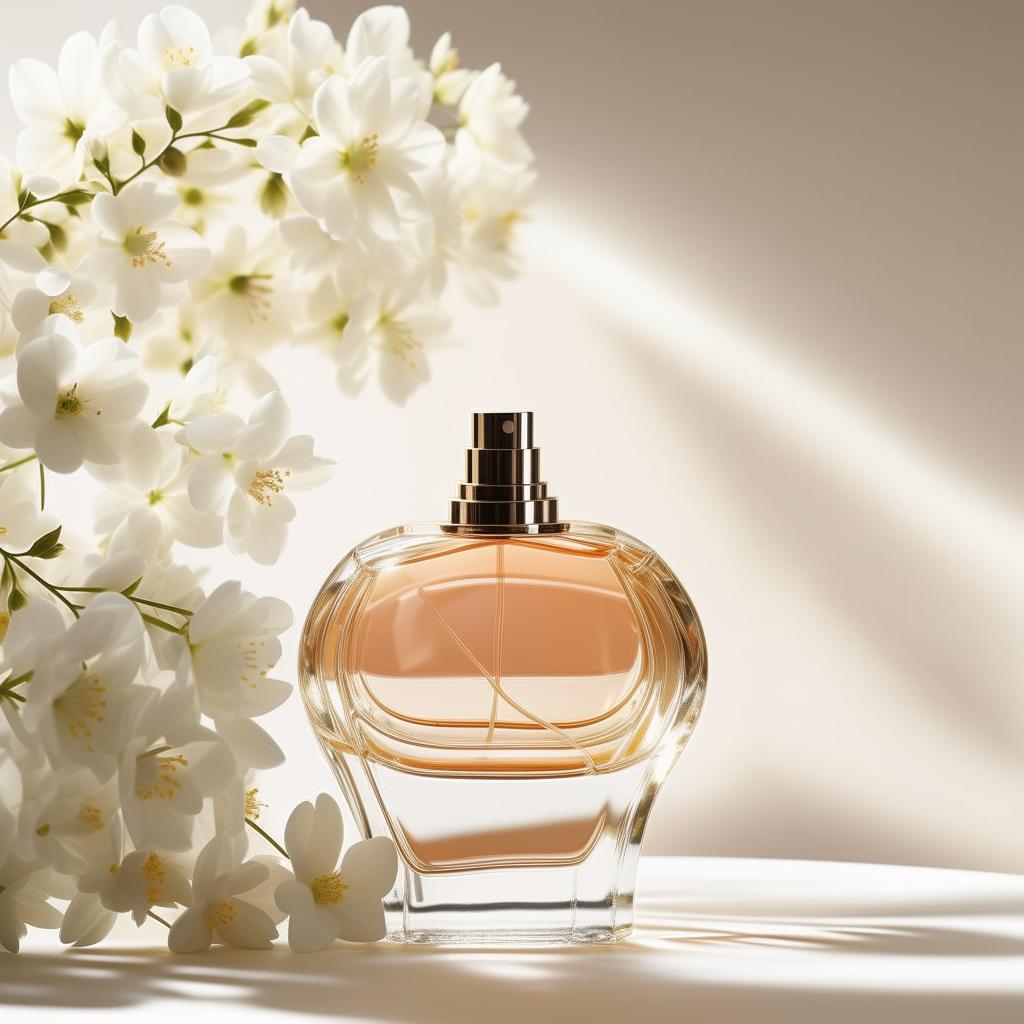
x=16 y=599
x=247 y=114
x=173 y=118
x=122 y=327
x=43 y=544
x=138 y=144
x=58 y=236
x=55 y=552
x=102 y=164
x=163 y=419
x=75 y=197
x=131 y=588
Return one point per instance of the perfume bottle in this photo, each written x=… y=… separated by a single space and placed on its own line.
x=503 y=694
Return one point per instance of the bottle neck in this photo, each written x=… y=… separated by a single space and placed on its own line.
x=503 y=492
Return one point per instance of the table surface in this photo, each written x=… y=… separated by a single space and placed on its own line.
x=716 y=940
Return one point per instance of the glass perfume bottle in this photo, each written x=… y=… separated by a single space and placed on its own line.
x=503 y=695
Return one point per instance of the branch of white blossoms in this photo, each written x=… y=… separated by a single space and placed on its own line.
x=175 y=211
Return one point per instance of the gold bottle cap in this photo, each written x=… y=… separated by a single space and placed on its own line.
x=503 y=492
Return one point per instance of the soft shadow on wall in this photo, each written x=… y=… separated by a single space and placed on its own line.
x=797 y=174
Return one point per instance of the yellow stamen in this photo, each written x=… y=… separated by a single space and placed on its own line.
x=362 y=157
x=397 y=339
x=255 y=662
x=179 y=56
x=81 y=707
x=68 y=403
x=161 y=781
x=451 y=62
x=220 y=913
x=265 y=484
x=69 y=306
x=156 y=874
x=146 y=249
x=253 y=804
x=91 y=816
x=328 y=889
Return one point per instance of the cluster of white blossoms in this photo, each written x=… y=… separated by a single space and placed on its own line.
x=174 y=211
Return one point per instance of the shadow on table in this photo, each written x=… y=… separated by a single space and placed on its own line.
x=785 y=964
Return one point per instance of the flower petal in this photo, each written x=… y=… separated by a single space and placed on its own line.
x=277 y=152
x=45 y=368
x=371 y=866
x=360 y=918
x=248 y=927
x=190 y=933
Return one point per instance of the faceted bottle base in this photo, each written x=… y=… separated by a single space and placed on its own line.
x=514 y=907
x=586 y=828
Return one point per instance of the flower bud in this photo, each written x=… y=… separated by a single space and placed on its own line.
x=274 y=197
x=173 y=162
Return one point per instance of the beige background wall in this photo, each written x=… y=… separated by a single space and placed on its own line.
x=771 y=323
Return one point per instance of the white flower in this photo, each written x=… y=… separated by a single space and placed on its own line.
x=9 y=337
x=246 y=470
x=66 y=819
x=23 y=901
x=135 y=558
x=450 y=81
x=393 y=337
x=313 y=250
x=200 y=393
x=173 y=64
x=21 y=240
x=312 y=54
x=357 y=176
x=141 y=880
x=490 y=116
x=75 y=403
x=171 y=765
x=61 y=110
x=383 y=31
x=56 y=293
x=83 y=692
x=332 y=306
x=265 y=15
x=492 y=207
x=218 y=909
x=325 y=902
x=233 y=639
x=174 y=344
x=27 y=644
x=86 y=920
x=242 y=297
x=21 y=522
x=151 y=481
x=140 y=251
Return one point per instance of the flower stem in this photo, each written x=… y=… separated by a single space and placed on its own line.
x=269 y=838
x=160 y=624
x=157 y=604
x=15 y=560
x=42 y=488
x=19 y=462
x=131 y=597
x=157 y=917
